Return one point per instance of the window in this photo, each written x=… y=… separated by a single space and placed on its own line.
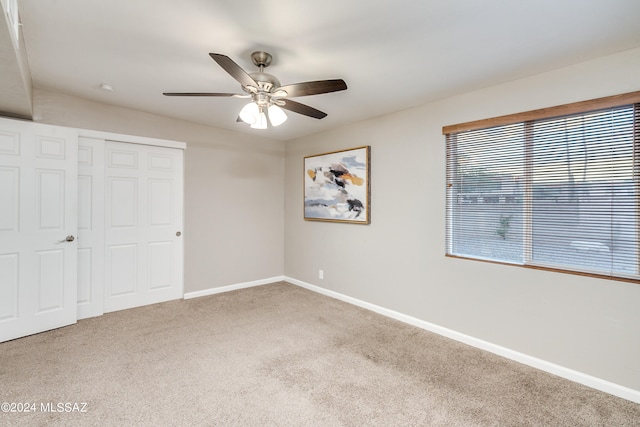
x=550 y=191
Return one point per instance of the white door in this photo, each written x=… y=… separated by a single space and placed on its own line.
x=143 y=225
x=90 y=227
x=38 y=210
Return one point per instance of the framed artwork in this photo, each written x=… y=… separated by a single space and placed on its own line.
x=336 y=186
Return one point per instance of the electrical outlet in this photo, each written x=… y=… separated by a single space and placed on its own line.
x=320 y=274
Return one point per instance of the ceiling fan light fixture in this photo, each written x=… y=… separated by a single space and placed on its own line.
x=277 y=116
x=261 y=121
x=249 y=113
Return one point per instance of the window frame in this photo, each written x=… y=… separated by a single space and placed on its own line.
x=527 y=118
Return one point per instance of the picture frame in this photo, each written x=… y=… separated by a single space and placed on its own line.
x=337 y=186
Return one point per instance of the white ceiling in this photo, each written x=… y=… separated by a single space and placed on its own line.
x=393 y=54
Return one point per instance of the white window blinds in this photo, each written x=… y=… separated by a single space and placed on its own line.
x=556 y=192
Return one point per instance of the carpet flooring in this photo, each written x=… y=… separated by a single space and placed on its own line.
x=278 y=355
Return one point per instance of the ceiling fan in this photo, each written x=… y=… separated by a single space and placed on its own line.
x=268 y=97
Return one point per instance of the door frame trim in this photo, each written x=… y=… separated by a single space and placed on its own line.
x=131 y=139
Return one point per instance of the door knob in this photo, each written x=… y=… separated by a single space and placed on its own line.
x=69 y=238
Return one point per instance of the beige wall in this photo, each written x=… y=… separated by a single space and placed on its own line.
x=397 y=262
x=234 y=203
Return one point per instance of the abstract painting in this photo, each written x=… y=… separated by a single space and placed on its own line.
x=336 y=186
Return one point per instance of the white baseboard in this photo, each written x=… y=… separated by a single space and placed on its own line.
x=229 y=288
x=561 y=371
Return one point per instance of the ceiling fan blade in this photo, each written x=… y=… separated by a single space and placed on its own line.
x=233 y=69
x=313 y=88
x=299 y=108
x=198 y=94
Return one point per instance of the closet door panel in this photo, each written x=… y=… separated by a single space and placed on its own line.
x=143 y=225
x=38 y=227
x=91 y=216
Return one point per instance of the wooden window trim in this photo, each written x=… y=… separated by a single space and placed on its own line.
x=545 y=113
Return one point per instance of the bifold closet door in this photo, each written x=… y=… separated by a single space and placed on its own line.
x=38 y=227
x=143 y=225
x=90 y=227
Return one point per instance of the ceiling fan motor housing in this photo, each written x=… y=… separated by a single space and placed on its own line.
x=266 y=82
